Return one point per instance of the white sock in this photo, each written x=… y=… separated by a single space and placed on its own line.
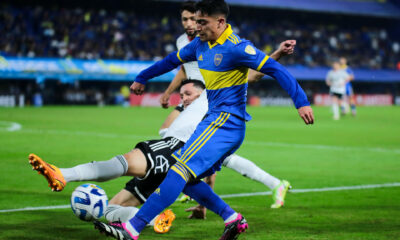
x=97 y=171
x=116 y=212
x=335 y=108
x=231 y=218
x=248 y=169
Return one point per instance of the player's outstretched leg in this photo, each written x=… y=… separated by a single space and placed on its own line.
x=234 y=228
x=279 y=194
x=52 y=173
x=116 y=230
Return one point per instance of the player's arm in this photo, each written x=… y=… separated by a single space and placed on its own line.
x=176 y=82
x=328 y=80
x=173 y=60
x=351 y=74
x=248 y=55
x=285 y=48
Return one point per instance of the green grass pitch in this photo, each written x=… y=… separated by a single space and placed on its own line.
x=352 y=151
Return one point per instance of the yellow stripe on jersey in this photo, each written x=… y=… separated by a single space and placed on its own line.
x=186 y=167
x=201 y=141
x=262 y=63
x=195 y=143
x=175 y=169
x=234 y=38
x=217 y=80
x=231 y=40
x=183 y=169
x=209 y=136
x=179 y=57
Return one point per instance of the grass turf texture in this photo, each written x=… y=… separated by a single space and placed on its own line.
x=352 y=151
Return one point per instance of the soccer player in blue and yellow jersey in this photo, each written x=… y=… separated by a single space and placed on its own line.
x=224 y=59
x=349 y=88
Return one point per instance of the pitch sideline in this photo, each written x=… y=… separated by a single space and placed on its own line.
x=307 y=190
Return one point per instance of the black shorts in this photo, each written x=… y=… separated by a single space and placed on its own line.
x=159 y=161
x=338 y=95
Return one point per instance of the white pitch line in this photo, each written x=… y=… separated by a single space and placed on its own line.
x=327 y=189
x=246 y=142
x=12 y=126
x=35 y=208
x=318 y=146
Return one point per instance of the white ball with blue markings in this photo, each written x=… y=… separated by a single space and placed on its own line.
x=89 y=202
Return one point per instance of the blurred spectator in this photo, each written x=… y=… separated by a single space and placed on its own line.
x=98 y=33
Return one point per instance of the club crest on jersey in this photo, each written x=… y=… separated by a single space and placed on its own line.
x=217 y=59
x=250 y=50
x=200 y=58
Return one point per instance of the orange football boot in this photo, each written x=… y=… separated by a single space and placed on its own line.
x=52 y=173
x=163 y=222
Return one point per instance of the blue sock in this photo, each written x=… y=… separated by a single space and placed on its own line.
x=205 y=196
x=164 y=196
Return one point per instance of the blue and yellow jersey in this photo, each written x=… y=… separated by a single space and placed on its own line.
x=348 y=71
x=224 y=66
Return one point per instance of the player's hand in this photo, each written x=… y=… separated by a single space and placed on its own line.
x=164 y=100
x=287 y=47
x=137 y=88
x=306 y=113
x=198 y=212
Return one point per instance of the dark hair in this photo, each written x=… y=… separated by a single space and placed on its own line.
x=211 y=7
x=189 y=6
x=196 y=83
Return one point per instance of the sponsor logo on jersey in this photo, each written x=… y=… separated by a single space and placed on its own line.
x=217 y=59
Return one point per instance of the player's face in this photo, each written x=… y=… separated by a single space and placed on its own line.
x=189 y=93
x=189 y=23
x=336 y=66
x=208 y=26
x=343 y=61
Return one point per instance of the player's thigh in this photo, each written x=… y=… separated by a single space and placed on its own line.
x=137 y=163
x=215 y=138
x=125 y=198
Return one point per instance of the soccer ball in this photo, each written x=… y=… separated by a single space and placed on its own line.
x=89 y=202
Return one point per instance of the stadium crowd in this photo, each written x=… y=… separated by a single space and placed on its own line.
x=93 y=34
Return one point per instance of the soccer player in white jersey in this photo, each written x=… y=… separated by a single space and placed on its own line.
x=191 y=70
x=148 y=163
x=336 y=79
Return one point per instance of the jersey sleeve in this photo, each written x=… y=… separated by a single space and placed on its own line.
x=169 y=63
x=188 y=53
x=275 y=70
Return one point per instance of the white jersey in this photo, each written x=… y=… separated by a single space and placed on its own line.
x=338 y=81
x=191 y=68
x=184 y=125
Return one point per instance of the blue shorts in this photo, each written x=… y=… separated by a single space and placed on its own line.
x=349 y=89
x=215 y=138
